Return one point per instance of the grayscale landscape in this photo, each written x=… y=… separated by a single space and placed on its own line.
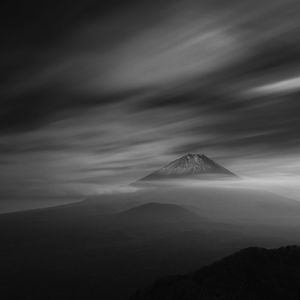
x=150 y=150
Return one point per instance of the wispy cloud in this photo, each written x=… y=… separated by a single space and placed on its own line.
x=125 y=88
x=278 y=87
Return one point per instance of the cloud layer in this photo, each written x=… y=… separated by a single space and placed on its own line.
x=102 y=93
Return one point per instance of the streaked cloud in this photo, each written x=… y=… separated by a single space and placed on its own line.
x=109 y=92
x=282 y=86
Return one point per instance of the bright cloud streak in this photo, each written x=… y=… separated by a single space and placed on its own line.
x=282 y=86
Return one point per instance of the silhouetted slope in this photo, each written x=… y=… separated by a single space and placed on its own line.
x=252 y=273
x=189 y=166
x=158 y=212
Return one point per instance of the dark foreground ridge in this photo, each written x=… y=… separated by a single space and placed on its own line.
x=190 y=166
x=252 y=273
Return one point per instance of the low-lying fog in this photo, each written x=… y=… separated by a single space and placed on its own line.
x=287 y=186
x=241 y=200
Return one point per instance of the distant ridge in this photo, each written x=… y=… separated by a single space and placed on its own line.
x=190 y=166
x=162 y=212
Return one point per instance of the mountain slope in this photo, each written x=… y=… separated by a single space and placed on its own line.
x=189 y=166
x=252 y=273
x=159 y=212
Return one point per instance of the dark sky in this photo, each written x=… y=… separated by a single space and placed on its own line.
x=101 y=92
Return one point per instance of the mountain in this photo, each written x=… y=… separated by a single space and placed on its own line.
x=252 y=273
x=190 y=166
x=159 y=212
